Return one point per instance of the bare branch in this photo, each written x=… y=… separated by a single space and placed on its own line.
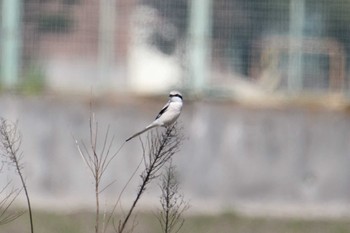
x=10 y=140
x=6 y=203
x=97 y=160
x=121 y=194
x=161 y=148
x=172 y=202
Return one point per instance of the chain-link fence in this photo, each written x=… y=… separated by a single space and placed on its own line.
x=151 y=45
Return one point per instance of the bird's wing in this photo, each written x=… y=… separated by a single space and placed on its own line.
x=163 y=110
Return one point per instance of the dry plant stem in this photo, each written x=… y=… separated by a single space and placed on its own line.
x=96 y=173
x=5 y=204
x=97 y=161
x=161 y=147
x=172 y=203
x=11 y=142
x=27 y=196
x=120 y=195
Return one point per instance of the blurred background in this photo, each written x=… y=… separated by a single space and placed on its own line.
x=265 y=85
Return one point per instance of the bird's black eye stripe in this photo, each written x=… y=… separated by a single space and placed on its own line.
x=176 y=95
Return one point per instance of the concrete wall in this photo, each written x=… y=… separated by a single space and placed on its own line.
x=268 y=161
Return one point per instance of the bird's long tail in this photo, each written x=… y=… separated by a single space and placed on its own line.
x=142 y=131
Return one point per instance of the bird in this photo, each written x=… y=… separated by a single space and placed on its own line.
x=167 y=116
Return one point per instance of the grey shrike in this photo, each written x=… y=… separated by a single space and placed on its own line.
x=168 y=115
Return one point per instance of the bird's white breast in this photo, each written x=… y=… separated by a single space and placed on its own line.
x=172 y=113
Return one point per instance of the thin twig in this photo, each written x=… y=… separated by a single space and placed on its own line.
x=161 y=148
x=97 y=160
x=121 y=194
x=11 y=140
x=6 y=203
x=172 y=202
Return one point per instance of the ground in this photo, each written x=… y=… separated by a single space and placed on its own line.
x=83 y=222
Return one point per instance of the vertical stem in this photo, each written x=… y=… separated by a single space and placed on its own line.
x=26 y=193
x=142 y=188
x=160 y=152
x=167 y=189
x=97 y=205
x=146 y=179
x=96 y=164
x=14 y=158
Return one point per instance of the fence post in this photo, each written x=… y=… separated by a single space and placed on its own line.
x=200 y=28
x=106 y=41
x=295 y=64
x=11 y=42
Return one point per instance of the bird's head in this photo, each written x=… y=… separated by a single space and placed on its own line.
x=175 y=96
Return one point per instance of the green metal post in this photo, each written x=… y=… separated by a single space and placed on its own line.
x=11 y=42
x=296 y=25
x=200 y=43
x=106 y=40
